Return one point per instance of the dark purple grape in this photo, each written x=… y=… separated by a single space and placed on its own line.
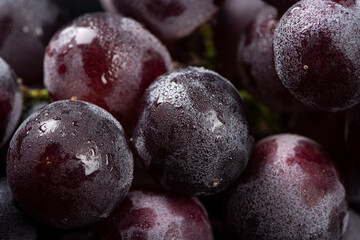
x=10 y=102
x=256 y=63
x=231 y=21
x=69 y=164
x=167 y=19
x=107 y=60
x=281 y=4
x=316 y=53
x=26 y=27
x=153 y=214
x=193 y=134
x=353 y=230
x=352 y=133
x=14 y=224
x=290 y=183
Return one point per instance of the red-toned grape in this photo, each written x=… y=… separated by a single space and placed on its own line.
x=10 y=102
x=193 y=134
x=26 y=27
x=69 y=164
x=290 y=183
x=167 y=19
x=153 y=214
x=256 y=63
x=14 y=225
x=316 y=53
x=105 y=59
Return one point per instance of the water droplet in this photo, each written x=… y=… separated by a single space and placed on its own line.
x=103 y=79
x=43 y=128
x=25 y=29
x=106 y=160
x=39 y=32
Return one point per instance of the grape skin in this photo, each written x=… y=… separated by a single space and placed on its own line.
x=167 y=19
x=10 y=102
x=69 y=164
x=152 y=214
x=193 y=134
x=256 y=64
x=26 y=27
x=316 y=53
x=107 y=60
x=290 y=183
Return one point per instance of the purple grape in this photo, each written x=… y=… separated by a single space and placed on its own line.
x=231 y=21
x=290 y=183
x=107 y=60
x=193 y=134
x=353 y=230
x=167 y=19
x=152 y=214
x=10 y=102
x=69 y=164
x=14 y=224
x=26 y=27
x=316 y=53
x=256 y=63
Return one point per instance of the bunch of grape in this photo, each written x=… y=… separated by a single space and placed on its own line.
x=128 y=129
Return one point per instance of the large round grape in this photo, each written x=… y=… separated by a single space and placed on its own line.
x=167 y=19
x=316 y=51
x=105 y=59
x=290 y=183
x=26 y=28
x=69 y=164
x=255 y=61
x=193 y=134
x=14 y=224
x=10 y=102
x=149 y=214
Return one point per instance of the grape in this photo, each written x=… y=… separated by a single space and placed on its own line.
x=316 y=52
x=353 y=230
x=281 y=4
x=152 y=214
x=14 y=225
x=256 y=63
x=231 y=21
x=292 y=184
x=26 y=27
x=193 y=134
x=69 y=164
x=167 y=19
x=107 y=60
x=10 y=102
